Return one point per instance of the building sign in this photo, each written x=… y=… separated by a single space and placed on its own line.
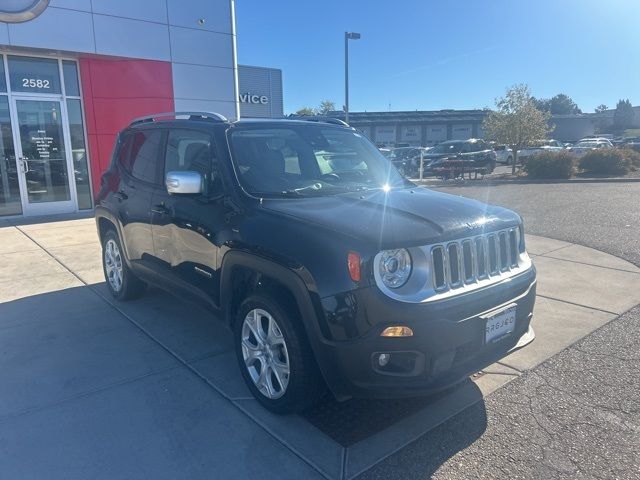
x=436 y=133
x=260 y=92
x=255 y=99
x=15 y=11
x=31 y=74
x=411 y=133
x=461 y=132
x=386 y=134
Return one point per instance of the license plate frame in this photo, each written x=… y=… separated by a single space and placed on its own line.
x=499 y=324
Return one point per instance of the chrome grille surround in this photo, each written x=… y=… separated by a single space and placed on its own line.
x=459 y=266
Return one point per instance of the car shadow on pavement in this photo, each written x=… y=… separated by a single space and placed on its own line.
x=423 y=457
x=68 y=344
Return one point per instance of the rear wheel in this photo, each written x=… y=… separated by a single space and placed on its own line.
x=121 y=281
x=274 y=356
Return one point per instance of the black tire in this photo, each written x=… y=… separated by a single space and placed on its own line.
x=305 y=384
x=130 y=286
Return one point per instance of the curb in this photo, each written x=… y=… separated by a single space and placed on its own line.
x=446 y=183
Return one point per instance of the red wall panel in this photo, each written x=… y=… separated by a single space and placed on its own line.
x=115 y=92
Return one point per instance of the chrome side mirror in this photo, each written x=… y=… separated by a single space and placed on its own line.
x=183 y=182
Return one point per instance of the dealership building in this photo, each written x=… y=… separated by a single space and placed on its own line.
x=417 y=128
x=426 y=128
x=75 y=72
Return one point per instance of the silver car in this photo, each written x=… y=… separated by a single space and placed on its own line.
x=539 y=147
x=589 y=145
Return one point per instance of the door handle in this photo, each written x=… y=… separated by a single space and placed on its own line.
x=120 y=195
x=25 y=164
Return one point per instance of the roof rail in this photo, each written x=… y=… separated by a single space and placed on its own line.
x=320 y=119
x=216 y=117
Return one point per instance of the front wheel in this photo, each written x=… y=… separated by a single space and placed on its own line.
x=275 y=357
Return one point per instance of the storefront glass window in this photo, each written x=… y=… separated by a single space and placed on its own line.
x=70 y=72
x=35 y=75
x=3 y=81
x=9 y=189
x=79 y=153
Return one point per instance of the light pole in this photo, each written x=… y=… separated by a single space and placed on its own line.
x=347 y=36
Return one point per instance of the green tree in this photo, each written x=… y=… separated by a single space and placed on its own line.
x=623 y=116
x=601 y=108
x=559 y=104
x=326 y=106
x=306 y=111
x=517 y=121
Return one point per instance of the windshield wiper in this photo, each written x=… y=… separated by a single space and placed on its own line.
x=297 y=191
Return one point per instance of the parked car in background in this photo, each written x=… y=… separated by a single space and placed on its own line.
x=407 y=159
x=590 y=144
x=330 y=269
x=631 y=142
x=385 y=151
x=540 y=146
x=473 y=149
x=504 y=154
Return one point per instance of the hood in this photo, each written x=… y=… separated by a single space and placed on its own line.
x=398 y=218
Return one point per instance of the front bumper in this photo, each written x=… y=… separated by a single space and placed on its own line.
x=448 y=342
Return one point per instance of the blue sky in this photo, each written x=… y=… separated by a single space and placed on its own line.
x=427 y=54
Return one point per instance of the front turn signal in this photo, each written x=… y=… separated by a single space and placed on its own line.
x=399 y=331
x=353 y=263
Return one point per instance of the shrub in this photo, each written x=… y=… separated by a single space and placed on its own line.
x=633 y=156
x=550 y=165
x=606 y=162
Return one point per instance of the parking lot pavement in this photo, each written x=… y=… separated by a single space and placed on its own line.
x=604 y=216
x=102 y=389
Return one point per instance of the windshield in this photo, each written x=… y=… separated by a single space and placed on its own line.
x=453 y=147
x=308 y=160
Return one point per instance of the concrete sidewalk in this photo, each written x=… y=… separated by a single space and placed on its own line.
x=93 y=388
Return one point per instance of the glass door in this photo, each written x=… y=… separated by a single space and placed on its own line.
x=10 y=200
x=42 y=156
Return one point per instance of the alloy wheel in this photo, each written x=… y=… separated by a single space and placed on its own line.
x=113 y=265
x=265 y=354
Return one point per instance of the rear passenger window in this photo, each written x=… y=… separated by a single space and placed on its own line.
x=143 y=160
x=191 y=150
x=123 y=151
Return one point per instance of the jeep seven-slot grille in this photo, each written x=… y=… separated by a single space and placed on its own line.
x=470 y=260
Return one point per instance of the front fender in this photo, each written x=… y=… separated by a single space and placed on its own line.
x=301 y=287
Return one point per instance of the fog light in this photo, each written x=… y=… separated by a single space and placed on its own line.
x=397 y=332
x=383 y=359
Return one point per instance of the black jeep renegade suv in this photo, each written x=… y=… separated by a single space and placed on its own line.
x=331 y=269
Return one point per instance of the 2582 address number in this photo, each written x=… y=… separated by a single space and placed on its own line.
x=35 y=83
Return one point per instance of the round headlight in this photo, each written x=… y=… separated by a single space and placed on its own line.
x=394 y=267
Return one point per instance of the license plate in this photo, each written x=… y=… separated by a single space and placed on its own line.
x=500 y=324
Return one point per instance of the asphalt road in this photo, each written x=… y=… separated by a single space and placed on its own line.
x=577 y=415
x=604 y=216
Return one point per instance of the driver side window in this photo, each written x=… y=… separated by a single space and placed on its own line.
x=192 y=150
